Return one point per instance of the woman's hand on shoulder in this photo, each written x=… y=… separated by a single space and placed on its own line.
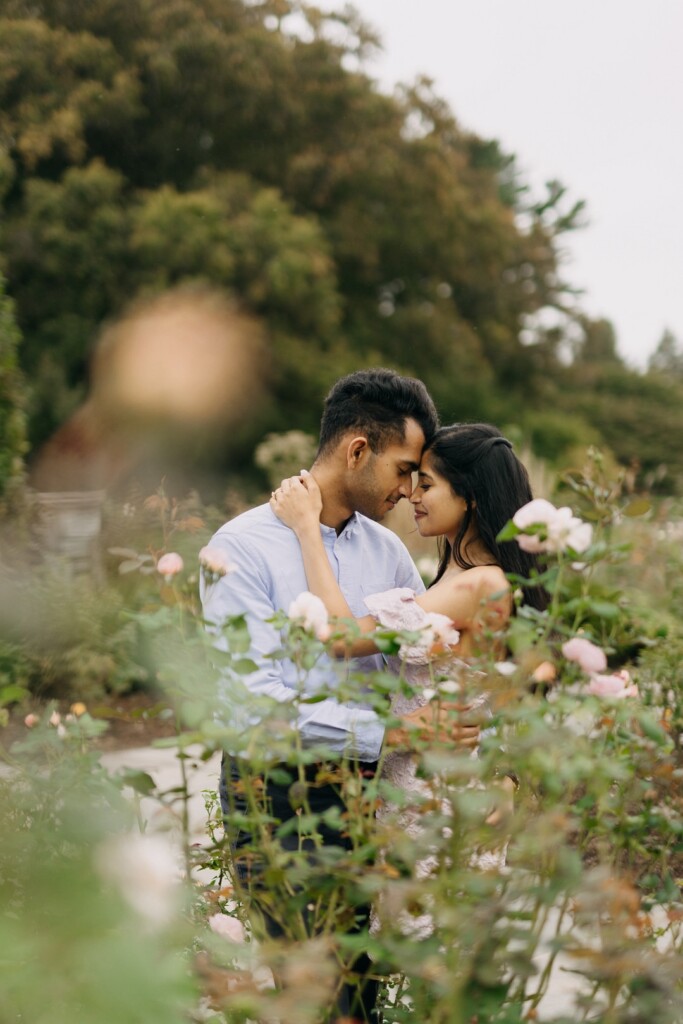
x=298 y=502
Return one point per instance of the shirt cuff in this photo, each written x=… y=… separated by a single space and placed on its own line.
x=366 y=738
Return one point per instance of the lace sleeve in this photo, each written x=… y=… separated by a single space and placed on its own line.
x=398 y=609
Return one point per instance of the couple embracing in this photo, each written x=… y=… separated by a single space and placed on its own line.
x=321 y=532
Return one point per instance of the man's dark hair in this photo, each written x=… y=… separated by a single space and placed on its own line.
x=376 y=403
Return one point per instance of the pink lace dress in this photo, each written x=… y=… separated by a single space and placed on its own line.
x=398 y=609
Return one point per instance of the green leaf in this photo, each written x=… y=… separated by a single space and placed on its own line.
x=638 y=507
x=130 y=565
x=12 y=694
x=509 y=532
x=605 y=609
x=141 y=782
x=386 y=644
x=244 y=666
x=653 y=730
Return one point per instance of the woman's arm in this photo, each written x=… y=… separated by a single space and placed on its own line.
x=297 y=502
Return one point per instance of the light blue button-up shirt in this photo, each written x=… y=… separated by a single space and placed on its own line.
x=268 y=574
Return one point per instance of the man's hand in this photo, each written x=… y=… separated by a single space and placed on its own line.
x=434 y=723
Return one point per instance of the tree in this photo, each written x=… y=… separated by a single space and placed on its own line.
x=148 y=145
x=12 y=402
x=598 y=346
x=667 y=358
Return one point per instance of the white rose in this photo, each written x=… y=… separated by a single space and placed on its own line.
x=310 y=611
x=562 y=529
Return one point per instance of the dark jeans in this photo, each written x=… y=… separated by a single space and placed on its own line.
x=358 y=998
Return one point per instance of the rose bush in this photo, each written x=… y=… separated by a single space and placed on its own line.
x=593 y=842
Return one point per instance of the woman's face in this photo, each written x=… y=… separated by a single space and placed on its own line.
x=438 y=511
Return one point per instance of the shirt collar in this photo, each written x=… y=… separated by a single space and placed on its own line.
x=351 y=527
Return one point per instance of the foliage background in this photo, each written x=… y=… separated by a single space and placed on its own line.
x=146 y=145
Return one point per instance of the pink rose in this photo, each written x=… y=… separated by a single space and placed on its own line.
x=227 y=927
x=442 y=629
x=589 y=657
x=312 y=613
x=616 y=686
x=215 y=561
x=170 y=565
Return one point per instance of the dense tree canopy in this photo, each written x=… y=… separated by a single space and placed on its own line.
x=145 y=144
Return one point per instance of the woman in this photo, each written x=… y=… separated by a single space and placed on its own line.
x=470 y=484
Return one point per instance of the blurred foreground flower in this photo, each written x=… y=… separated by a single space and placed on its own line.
x=545 y=672
x=31 y=720
x=589 y=657
x=506 y=668
x=559 y=528
x=617 y=686
x=437 y=635
x=227 y=927
x=214 y=562
x=147 y=872
x=170 y=565
x=312 y=614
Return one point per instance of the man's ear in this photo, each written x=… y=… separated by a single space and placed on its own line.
x=357 y=451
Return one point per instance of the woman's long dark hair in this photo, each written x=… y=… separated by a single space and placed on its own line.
x=481 y=467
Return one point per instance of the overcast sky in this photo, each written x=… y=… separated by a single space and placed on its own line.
x=587 y=91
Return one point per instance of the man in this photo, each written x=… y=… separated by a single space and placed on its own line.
x=374 y=427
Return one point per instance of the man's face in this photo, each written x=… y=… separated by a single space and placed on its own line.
x=385 y=478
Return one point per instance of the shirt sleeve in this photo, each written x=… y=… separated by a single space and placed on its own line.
x=246 y=590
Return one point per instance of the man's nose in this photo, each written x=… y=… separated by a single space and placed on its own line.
x=406 y=488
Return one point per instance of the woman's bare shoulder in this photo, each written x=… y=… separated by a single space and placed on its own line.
x=489 y=579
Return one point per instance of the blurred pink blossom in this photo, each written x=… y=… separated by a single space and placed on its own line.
x=215 y=561
x=617 y=686
x=442 y=629
x=55 y=718
x=31 y=720
x=590 y=657
x=227 y=927
x=169 y=565
x=437 y=633
x=562 y=528
x=313 y=614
